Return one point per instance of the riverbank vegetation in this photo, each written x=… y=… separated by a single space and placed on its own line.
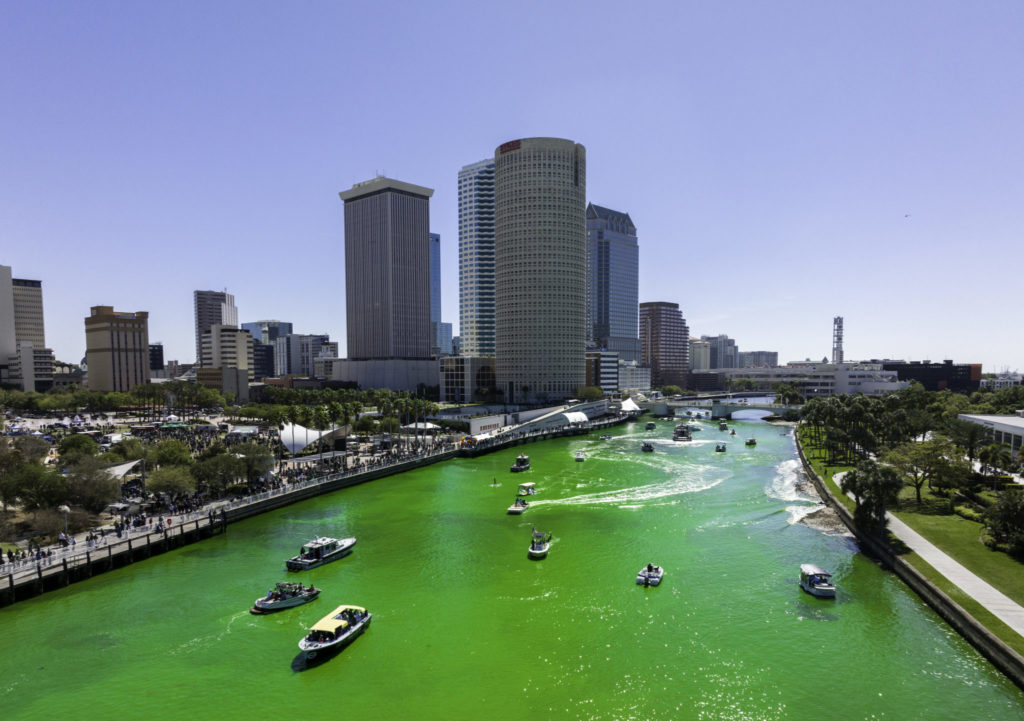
x=909 y=453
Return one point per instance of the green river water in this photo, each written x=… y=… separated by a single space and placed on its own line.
x=467 y=627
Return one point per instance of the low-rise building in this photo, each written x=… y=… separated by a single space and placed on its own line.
x=465 y=378
x=1004 y=429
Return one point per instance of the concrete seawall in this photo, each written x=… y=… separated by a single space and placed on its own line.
x=1008 y=661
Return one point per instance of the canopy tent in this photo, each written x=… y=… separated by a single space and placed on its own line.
x=121 y=470
x=421 y=426
x=295 y=437
x=628 y=406
x=575 y=417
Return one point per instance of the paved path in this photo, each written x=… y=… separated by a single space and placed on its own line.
x=998 y=604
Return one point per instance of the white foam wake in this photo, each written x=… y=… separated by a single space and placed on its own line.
x=697 y=479
x=785 y=486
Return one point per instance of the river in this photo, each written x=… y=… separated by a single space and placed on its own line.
x=467 y=627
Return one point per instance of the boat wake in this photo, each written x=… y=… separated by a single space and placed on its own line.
x=788 y=484
x=699 y=478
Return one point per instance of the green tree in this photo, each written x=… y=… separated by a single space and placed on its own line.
x=73 y=447
x=873 y=486
x=39 y=486
x=91 y=485
x=172 y=480
x=219 y=472
x=995 y=456
x=967 y=435
x=671 y=390
x=256 y=460
x=172 y=453
x=589 y=393
x=33 y=448
x=1005 y=519
x=931 y=461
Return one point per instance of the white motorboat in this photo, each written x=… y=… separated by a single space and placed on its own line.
x=606 y=438
x=650 y=575
x=816 y=581
x=527 y=489
x=519 y=507
x=720 y=448
x=319 y=551
x=751 y=442
x=335 y=631
x=723 y=426
x=522 y=463
x=540 y=543
x=284 y=595
x=580 y=457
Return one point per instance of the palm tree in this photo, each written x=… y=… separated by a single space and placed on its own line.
x=321 y=422
x=873 y=486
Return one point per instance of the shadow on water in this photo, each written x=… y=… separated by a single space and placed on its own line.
x=302 y=663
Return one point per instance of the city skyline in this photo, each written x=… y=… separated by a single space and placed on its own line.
x=785 y=165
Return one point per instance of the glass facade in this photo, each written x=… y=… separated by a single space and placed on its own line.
x=613 y=262
x=476 y=258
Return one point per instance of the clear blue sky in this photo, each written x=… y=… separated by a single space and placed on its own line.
x=784 y=162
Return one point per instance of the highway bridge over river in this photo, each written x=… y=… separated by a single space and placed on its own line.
x=718 y=408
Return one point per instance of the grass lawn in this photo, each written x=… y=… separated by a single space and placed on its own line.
x=956 y=536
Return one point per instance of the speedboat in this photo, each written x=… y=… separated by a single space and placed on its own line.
x=751 y=442
x=647 y=447
x=720 y=448
x=335 y=631
x=650 y=575
x=732 y=432
x=527 y=489
x=723 y=426
x=522 y=463
x=284 y=595
x=580 y=457
x=651 y=426
x=681 y=433
x=518 y=507
x=816 y=581
x=319 y=551
x=540 y=542
x=606 y=438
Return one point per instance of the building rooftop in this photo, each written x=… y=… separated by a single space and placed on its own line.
x=597 y=212
x=380 y=183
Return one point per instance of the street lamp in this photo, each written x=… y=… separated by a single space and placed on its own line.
x=66 y=511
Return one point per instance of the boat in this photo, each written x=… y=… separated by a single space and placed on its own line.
x=651 y=426
x=732 y=432
x=319 y=551
x=723 y=426
x=284 y=595
x=540 y=542
x=650 y=575
x=518 y=507
x=751 y=442
x=606 y=438
x=522 y=463
x=647 y=447
x=335 y=631
x=681 y=433
x=816 y=581
x=720 y=448
x=580 y=457
x=527 y=489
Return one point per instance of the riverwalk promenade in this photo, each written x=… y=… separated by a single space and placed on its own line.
x=54 y=567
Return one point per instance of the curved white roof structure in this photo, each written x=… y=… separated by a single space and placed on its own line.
x=295 y=437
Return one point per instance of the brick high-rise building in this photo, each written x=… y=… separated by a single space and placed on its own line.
x=665 y=342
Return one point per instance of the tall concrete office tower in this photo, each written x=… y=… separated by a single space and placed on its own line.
x=665 y=338
x=435 y=294
x=540 y=268
x=387 y=270
x=116 y=349
x=212 y=308
x=613 y=282
x=837 y=339
x=476 y=258
x=724 y=352
x=25 y=361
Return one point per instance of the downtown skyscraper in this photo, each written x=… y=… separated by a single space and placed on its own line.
x=665 y=340
x=613 y=277
x=212 y=308
x=476 y=259
x=387 y=270
x=540 y=269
